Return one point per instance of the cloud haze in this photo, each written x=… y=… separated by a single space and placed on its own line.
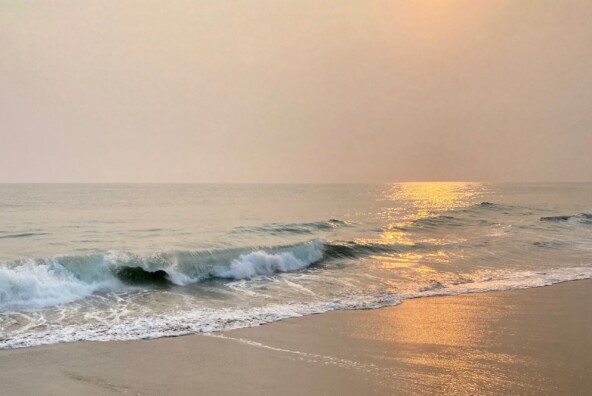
x=295 y=91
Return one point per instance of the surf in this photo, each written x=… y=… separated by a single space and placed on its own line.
x=63 y=279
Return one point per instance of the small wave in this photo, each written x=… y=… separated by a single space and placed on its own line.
x=487 y=206
x=497 y=207
x=556 y=218
x=440 y=221
x=22 y=235
x=434 y=285
x=550 y=244
x=582 y=218
x=293 y=228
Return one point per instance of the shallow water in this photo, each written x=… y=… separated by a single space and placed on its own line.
x=103 y=262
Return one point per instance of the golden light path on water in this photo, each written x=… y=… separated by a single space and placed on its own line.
x=429 y=198
x=415 y=201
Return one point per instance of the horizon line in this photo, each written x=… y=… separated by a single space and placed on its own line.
x=298 y=182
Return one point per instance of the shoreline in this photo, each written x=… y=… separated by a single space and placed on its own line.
x=528 y=341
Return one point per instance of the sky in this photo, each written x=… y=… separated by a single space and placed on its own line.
x=295 y=91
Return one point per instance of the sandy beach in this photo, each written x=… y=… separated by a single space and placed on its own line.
x=534 y=341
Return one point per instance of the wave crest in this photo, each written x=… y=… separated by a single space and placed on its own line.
x=262 y=263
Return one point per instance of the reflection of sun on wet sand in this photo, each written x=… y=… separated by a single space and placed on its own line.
x=534 y=341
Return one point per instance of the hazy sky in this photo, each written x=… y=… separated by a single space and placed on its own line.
x=295 y=90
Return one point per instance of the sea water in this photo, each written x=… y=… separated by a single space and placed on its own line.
x=131 y=261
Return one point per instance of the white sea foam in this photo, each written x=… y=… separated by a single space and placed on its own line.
x=34 y=285
x=205 y=320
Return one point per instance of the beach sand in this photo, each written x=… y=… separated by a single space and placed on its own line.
x=535 y=341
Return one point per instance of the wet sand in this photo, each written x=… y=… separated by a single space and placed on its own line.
x=535 y=341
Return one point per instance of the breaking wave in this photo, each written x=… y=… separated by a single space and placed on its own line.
x=63 y=279
x=60 y=280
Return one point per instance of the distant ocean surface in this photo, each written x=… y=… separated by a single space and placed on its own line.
x=121 y=262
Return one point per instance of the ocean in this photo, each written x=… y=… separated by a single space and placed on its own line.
x=133 y=261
